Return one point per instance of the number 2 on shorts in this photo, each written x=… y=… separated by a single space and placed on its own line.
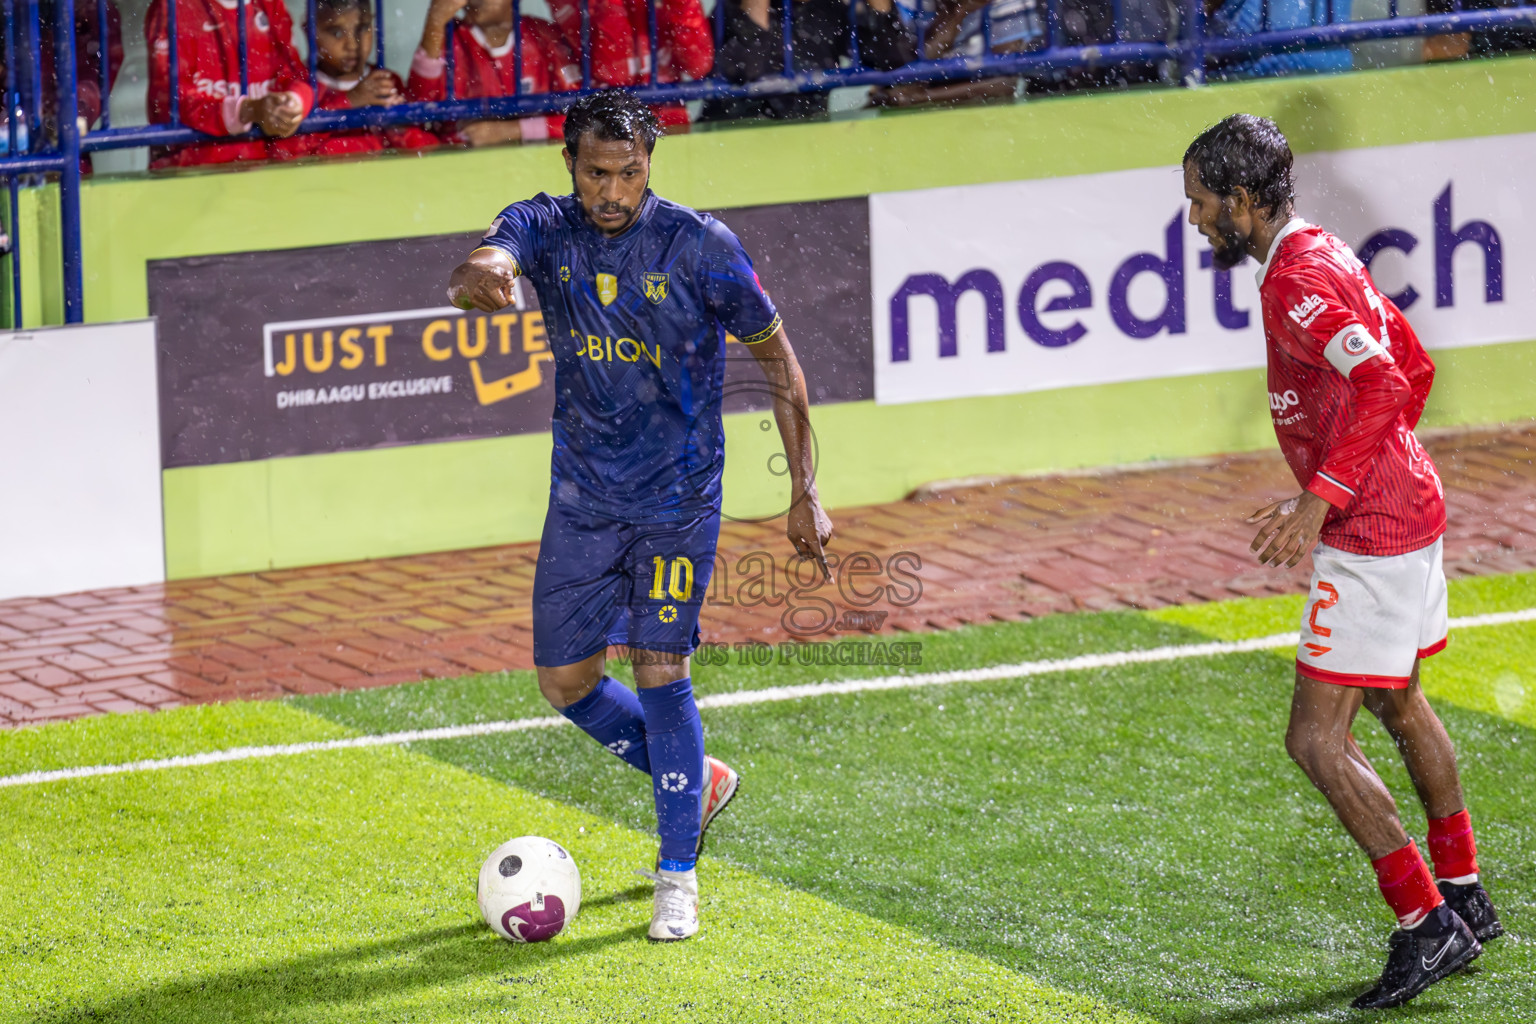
x=1323 y=604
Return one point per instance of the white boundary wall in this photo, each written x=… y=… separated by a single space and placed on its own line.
x=80 y=505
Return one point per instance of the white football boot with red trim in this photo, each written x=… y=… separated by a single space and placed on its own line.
x=720 y=785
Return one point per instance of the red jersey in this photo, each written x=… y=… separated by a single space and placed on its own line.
x=1348 y=380
x=208 y=73
x=480 y=69
x=621 y=44
x=331 y=94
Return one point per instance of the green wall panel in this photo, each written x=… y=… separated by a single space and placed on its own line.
x=1483 y=384
x=432 y=497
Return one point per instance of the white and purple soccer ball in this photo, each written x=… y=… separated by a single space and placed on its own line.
x=529 y=890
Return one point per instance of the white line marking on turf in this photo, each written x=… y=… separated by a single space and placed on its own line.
x=1113 y=659
x=1494 y=619
x=740 y=698
x=452 y=732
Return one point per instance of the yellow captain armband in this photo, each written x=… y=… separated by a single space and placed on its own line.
x=502 y=253
x=765 y=333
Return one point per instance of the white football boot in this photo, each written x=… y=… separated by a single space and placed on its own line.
x=675 y=912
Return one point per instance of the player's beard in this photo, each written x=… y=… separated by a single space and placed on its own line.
x=1232 y=248
x=630 y=212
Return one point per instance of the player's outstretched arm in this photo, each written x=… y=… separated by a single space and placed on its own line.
x=486 y=281
x=810 y=529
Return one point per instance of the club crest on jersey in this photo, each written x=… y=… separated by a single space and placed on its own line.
x=1305 y=311
x=656 y=287
x=607 y=288
x=565 y=274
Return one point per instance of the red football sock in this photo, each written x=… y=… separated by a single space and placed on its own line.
x=1453 y=848
x=1406 y=885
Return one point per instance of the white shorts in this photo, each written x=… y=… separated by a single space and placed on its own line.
x=1369 y=617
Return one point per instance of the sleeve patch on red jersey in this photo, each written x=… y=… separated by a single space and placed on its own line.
x=1351 y=347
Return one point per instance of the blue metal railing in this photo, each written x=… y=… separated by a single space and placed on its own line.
x=25 y=155
x=31 y=150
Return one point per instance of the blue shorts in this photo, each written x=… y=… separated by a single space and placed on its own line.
x=602 y=582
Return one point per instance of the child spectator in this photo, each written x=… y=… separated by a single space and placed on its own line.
x=208 y=91
x=344 y=80
x=753 y=48
x=483 y=66
x=620 y=38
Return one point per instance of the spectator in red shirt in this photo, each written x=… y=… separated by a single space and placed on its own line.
x=619 y=33
x=208 y=91
x=344 y=80
x=483 y=66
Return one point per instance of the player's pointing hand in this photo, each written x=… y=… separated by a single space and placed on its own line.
x=484 y=284
x=810 y=530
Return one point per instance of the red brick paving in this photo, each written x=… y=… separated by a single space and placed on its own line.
x=996 y=551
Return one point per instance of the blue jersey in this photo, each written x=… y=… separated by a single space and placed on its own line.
x=637 y=324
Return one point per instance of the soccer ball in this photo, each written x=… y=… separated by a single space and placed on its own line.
x=529 y=889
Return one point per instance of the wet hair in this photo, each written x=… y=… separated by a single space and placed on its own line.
x=1248 y=151
x=612 y=115
x=330 y=8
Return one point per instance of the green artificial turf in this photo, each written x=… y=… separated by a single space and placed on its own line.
x=1135 y=833
x=1133 y=836
x=511 y=695
x=340 y=887
x=113 y=739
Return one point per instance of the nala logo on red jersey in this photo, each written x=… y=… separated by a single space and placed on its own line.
x=1305 y=311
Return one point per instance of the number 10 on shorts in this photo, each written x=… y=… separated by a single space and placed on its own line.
x=679 y=581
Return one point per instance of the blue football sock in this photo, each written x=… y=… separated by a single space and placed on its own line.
x=675 y=738
x=611 y=714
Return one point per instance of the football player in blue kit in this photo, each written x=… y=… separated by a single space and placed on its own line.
x=638 y=295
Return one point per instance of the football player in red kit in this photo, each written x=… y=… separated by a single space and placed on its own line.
x=344 y=80
x=1348 y=380
x=484 y=65
x=209 y=98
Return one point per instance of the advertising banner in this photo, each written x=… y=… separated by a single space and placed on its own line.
x=355 y=346
x=80 y=460
x=1031 y=285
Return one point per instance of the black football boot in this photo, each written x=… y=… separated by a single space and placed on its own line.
x=1417 y=959
x=1473 y=906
